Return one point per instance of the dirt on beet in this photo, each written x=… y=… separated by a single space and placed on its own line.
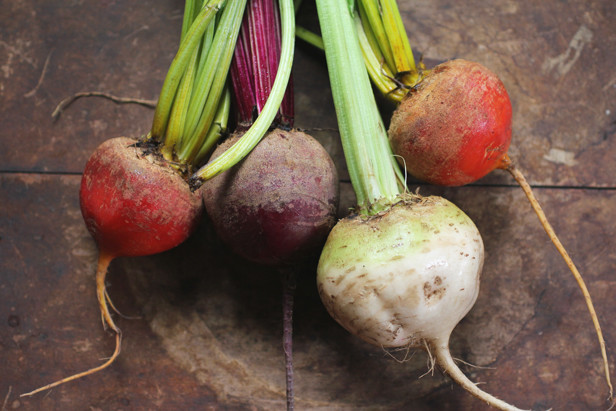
x=279 y=202
x=455 y=126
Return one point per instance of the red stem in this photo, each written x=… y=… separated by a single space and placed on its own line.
x=255 y=64
x=241 y=75
x=288 y=294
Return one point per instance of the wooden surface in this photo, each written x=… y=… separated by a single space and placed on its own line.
x=209 y=326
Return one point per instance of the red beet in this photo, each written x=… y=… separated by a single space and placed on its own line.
x=279 y=203
x=133 y=203
x=454 y=127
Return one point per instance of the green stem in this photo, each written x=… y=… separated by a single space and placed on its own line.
x=309 y=37
x=211 y=82
x=379 y=73
x=255 y=133
x=191 y=9
x=176 y=71
x=387 y=50
x=370 y=11
x=177 y=116
x=218 y=128
x=398 y=40
x=373 y=171
x=202 y=81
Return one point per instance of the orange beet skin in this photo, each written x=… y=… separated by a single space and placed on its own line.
x=455 y=126
x=133 y=203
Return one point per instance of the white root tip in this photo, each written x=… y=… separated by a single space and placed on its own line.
x=445 y=360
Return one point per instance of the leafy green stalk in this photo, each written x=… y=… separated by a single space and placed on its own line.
x=381 y=75
x=386 y=47
x=398 y=40
x=202 y=81
x=211 y=81
x=374 y=173
x=177 y=117
x=176 y=71
x=309 y=37
x=370 y=12
x=190 y=108
x=219 y=127
x=191 y=10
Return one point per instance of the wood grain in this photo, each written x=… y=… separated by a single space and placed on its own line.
x=209 y=328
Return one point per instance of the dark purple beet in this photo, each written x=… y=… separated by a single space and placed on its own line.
x=278 y=205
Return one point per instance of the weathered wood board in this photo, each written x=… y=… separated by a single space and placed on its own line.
x=208 y=329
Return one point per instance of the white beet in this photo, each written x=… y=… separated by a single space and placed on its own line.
x=405 y=277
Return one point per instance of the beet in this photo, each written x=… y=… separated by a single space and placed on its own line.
x=454 y=126
x=277 y=205
x=134 y=203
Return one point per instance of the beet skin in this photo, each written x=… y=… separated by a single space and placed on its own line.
x=277 y=205
x=133 y=203
x=455 y=126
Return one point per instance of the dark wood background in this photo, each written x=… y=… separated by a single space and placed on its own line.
x=208 y=332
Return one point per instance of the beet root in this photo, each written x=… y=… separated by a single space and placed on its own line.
x=278 y=204
x=133 y=203
x=454 y=127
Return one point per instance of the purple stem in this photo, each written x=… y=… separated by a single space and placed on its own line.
x=261 y=53
x=288 y=293
x=287 y=110
x=255 y=64
x=241 y=74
